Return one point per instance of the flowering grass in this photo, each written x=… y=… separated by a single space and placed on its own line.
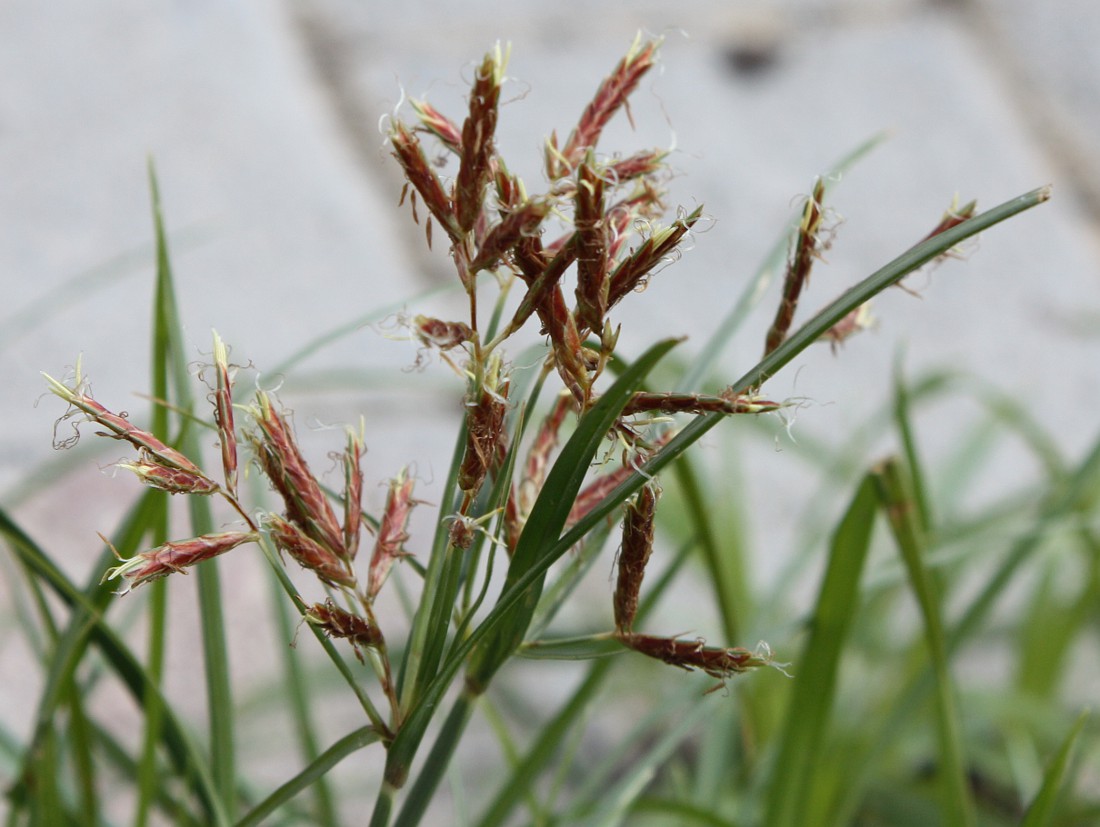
x=554 y=468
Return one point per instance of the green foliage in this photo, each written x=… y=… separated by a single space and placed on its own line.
x=869 y=722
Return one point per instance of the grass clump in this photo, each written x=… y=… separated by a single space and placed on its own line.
x=549 y=459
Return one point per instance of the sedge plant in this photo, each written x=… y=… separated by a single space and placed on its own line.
x=574 y=456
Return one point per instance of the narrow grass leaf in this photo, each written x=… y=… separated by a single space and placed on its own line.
x=815 y=673
x=170 y=357
x=585 y=647
x=1041 y=811
x=352 y=742
x=903 y=422
x=905 y=520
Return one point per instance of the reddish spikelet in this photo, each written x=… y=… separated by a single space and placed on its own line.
x=409 y=153
x=592 y=237
x=609 y=98
x=309 y=554
x=639 y=165
x=593 y=494
x=544 y=297
x=694 y=403
x=484 y=428
x=439 y=125
x=637 y=546
x=338 y=623
x=440 y=334
x=954 y=216
x=282 y=462
x=475 y=167
x=461 y=533
x=635 y=267
x=119 y=427
x=353 y=492
x=521 y=222
x=538 y=458
x=643 y=205
x=392 y=534
x=223 y=414
x=859 y=319
x=716 y=661
x=174 y=557
x=513 y=522
x=806 y=249
x=172 y=480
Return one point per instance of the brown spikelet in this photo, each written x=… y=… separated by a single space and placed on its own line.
x=611 y=96
x=484 y=428
x=409 y=153
x=544 y=297
x=440 y=334
x=807 y=247
x=475 y=169
x=637 y=546
x=716 y=661
x=592 y=262
x=521 y=222
x=695 y=403
x=338 y=623
x=656 y=249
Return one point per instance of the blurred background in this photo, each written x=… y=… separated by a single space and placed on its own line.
x=265 y=123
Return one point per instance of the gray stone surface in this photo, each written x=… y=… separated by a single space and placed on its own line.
x=280 y=199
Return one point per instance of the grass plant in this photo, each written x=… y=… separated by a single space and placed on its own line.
x=558 y=461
